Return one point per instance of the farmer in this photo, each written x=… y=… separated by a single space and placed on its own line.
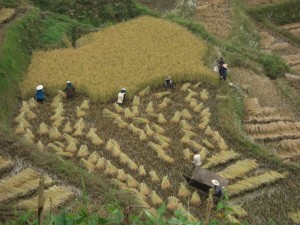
x=223 y=72
x=121 y=96
x=70 y=90
x=197 y=160
x=218 y=193
x=40 y=94
x=169 y=84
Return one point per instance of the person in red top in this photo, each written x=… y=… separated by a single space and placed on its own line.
x=70 y=90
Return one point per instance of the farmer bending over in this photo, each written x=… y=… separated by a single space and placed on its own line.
x=169 y=84
x=40 y=94
x=121 y=96
x=197 y=160
x=223 y=72
x=70 y=90
x=218 y=193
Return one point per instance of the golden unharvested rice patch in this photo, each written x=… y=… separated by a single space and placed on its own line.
x=130 y=54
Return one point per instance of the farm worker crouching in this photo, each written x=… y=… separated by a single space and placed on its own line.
x=169 y=84
x=70 y=90
x=121 y=96
x=197 y=160
x=40 y=94
x=218 y=193
x=220 y=63
x=223 y=72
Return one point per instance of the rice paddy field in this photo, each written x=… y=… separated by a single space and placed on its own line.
x=148 y=144
x=115 y=57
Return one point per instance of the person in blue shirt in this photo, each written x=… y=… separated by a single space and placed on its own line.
x=40 y=94
x=218 y=193
x=70 y=90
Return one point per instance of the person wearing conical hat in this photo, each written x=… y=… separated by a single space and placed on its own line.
x=223 y=72
x=218 y=193
x=70 y=90
x=40 y=94
x=169 y=84
x=121 y=96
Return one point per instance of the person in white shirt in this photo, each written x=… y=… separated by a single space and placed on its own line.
x=121 y=96
x=197 y=160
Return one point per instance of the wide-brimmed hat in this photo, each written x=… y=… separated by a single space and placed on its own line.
x=39 y=87
x=68 y=82
x=123 y=89
x=168 y=77
x=215 y=182
x=225 y=66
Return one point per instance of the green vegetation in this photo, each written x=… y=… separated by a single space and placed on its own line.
x=274 y=66
x=289 y=92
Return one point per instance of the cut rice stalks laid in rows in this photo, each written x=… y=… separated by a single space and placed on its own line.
x=220 y=158
x=273 y=127
x=5 y=163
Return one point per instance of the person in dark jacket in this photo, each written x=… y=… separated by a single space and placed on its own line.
x=70 y=90
x=218 y=193
x=220 y=63
x=169 y=84
x=40 y=94
x=223 y=72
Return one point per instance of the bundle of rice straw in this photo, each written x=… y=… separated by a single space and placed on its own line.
x=216 y=136
x=79 y=131
x=203 y=124
x=101 y=163
x=124 y=159
x=68 y=128
x=166 y=158
x=208 y=131
x=185 y=139
x=204 y=95
x=54 y=147
x=40 y=146
x=185 y=125
x=56 y=115
x=144 y=92
x=29 y=133
x=239 y=169
x=116 y=151
x=149 y=131
x=65 y=154
x=186 y=114
x=232 y=219
x=176 y=118
x=122 y=176
x=165 y=183
x=132 y=165
x=71 y=147
x=189 y=97
x=131 y=182
x=143 y=136
x=161 y=141
x=25 y=107
x=207 y=143
x=79 y=123
x=30 y=115
x=54 y=133
x=172 y=203
x=43 y=129
x=187 y=154
x=222 y=145
x=118 y=108
x=27 y=139
x=85 y=105
x=141 y=120
x=55 y=102
x=154 y=177
x=144 y=189
x=89 y=166
x=110 y=114
x=155 y=199
x=134 y=129
x=121 y=123
x=161 y=94
x=193 y=103
x=164 y=103
x=94 y=137
x=183 y=191
x=161 y=119
x=203 y=154
x=238 y=210
x=135 y=111
x=185 y=86
x=79 y=112
x=136 y=101
x=157 y=148
x=60 y=144
x=196 y=85
x=195 y=145
x=128 y=114
x=110 y=169
x=157 y=128
x=162 y=137
x=20 y=128
x=93 y=158
x=221 y=157
x=149 y=108
x=58 y=121
x=192 y=92
x=198 y=108
x=69 y=138
x=110 y=145
x=83 y=151
x=295 y=217
x=32 y=103
x=204 y=112
x=142 y=171
x=195 y=199
x=189 y=133
x=20 y=117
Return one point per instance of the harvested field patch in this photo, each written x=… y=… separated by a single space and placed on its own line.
x=6 y=14
x=294 y=28
x=129 y=55
x=5 y=163
x=261 y=2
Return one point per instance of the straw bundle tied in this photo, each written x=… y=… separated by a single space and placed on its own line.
x=93 y=158
x=110 y=114
x=79 y=131
x=65 y=154
x=110 y=145
x=137 y=197
x=87 y=165
x=58 y=196
x=144 y=189
x=121 y=123
x=134 y=129
x=165 y=183
x=161 y=141
x=94 y=137
x=172 y=203
x=56 y=115
x=68 y=128
x=110 y=169
x=204 y=95
x=57 y=123
x=118 y=183
x=207 y=144
x=187 y=154
x=203 y=154
x=142 y=171
x=193 y=103
x=189 y=97
x=60 y=144
x=161 y=94
x=295 y=217
x=162 y=137
x=149 y=108
x=79 y=123
x=192 y=92
x=20 y=117
x=143 y=136
x=25 y=107
x=5 y=163
x=29 y=133
x=217 y=137
x=204 y=123
x=183 y=191
x=20 y=128
x=185 y=86
x=161 y=119
x=118 y=108
x=196 y=85
x=27 y=139
x=131 y=182
x=164 y=103
x=116 y=151
x=195 y=199
x=40 y=146
x=135 y=111
x=149 y=131
x=144 y=92
x=56 y=101
x=132 y=165
x=79 y=112
x=101 y=163
x=195 y=145
x=254 y=182
x=289 y=145
x=54 y=147
x=54 y=133
x=21 y=184
x=71 y=147
x=122 y=176
x=155 y=199
x=140 y=120
x=83 y=151
x=239 y=169
x=157 y=148
x=273 y=127
x=185 y=139
x=43 y=129
x=176 y=118
x=157 y=128
x=267 y=119
x=252 y=106
x=128 y=114
x=198 y=107
x=220 y=158
x=186 y=114
x=238 y=210
x=166 y=158
x=69 y=138
x=85 y=105
x=154 y=177
x=185 y=125
x=189 y=133
x=208 y=131
x=32 y=103
x=136 y=101
x=205 y=112
x=222 y=145
x=232 y=219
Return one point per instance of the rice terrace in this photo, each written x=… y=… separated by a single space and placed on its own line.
x=188 y=144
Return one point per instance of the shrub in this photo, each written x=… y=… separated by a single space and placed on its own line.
x=273 y=65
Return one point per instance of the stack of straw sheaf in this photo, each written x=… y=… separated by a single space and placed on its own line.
x=5 y=164
x=289 y=148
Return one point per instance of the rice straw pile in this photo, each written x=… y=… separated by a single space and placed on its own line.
x=220 y=158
